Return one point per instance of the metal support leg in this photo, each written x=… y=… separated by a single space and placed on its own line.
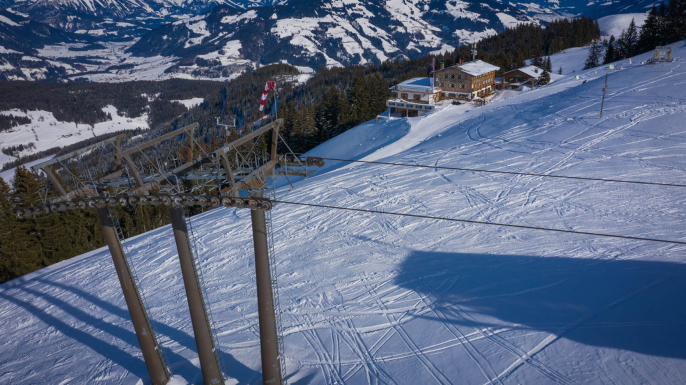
x=157 y=368
x=209 y=363
x=271 y=368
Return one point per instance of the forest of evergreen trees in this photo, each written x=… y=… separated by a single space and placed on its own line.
x=664 y=25
x=510 y=48
x=328 y=104
x=31 y=244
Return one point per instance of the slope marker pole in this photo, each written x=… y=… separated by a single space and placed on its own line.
x=603 y=102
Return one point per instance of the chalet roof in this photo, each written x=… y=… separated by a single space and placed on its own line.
x=529 y=70
x=414 y=84
x=476 y=67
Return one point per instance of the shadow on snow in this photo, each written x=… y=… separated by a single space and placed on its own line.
x=177 y=363
x=619 y=304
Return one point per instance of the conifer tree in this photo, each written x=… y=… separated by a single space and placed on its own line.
x=594 y=53
x=346 y=118
x=359 y=100
x=544 y=79
x=519 y=60
x=672 y=22
x=548 y=65
x=7 y=228
x=537 y=59
x=610 y=51
x=26 y=187
x=628 y=41
x=662 y=23
x=559 y=72
x=650 y=32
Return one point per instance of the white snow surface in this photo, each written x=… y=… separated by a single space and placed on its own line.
x=47 y=132
x=615 y=24
x=530 y=70
x=372 y=298
x=478 y=67
x=7 y=20
x=190 y=103
x=571 y=60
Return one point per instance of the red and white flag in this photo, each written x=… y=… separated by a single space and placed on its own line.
x=269 y=86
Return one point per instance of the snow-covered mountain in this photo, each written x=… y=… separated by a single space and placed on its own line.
x=115 y=18
x=324 y=33
x=223 y=42
x=116 y=40
x=375 y=298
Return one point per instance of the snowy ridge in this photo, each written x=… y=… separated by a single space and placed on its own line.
x=382 y=298
x=46 y=132
x=228 y=39
x=325 y=33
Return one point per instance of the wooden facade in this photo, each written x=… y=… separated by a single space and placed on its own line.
x=469 y=81
x=525 y=75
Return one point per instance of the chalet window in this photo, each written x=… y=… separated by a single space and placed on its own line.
x=417 y=97
x=451 y=95
x=394 y=95
x=403 y=96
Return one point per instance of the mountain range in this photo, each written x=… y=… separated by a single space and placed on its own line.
x=117 y=40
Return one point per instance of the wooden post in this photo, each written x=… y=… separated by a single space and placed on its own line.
x=603 y=102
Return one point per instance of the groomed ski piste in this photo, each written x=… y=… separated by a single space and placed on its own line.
x=383 y=299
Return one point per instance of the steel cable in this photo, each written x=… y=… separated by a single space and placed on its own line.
x=508 y=172
x=481 y=222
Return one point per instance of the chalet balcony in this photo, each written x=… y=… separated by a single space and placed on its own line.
x=410 y=101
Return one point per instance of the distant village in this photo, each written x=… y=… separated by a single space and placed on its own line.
x=462 y=82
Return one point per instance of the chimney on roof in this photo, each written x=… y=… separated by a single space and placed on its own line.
x=442 y=65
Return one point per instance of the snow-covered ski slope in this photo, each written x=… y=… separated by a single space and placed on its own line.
x=381 y=299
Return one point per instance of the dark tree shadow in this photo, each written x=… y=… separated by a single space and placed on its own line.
x=235 y=369
x=619 y=304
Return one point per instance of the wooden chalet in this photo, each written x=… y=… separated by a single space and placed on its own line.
x=466 y=81
x=525 y=75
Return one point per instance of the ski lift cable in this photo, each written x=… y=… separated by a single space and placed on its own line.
x=509 y=172
x=482 y=222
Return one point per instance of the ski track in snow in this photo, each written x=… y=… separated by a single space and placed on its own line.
x=376 y=299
